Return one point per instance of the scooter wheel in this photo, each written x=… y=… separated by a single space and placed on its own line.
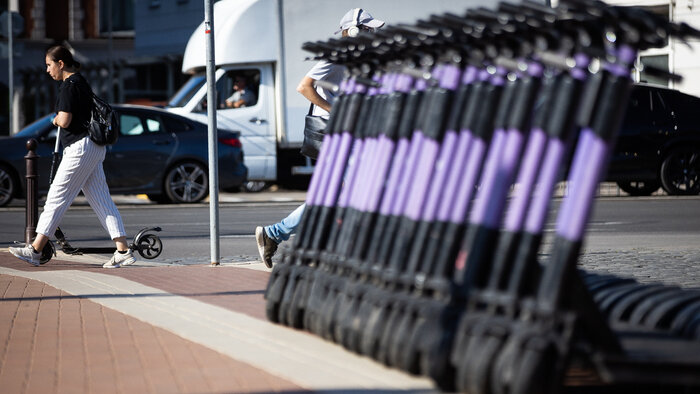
x=150 y=246
x=46 y=253
x=537 y=371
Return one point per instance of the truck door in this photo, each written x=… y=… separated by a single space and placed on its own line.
x=245 y=103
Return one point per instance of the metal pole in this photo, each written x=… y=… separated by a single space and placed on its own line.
x=110 y=46
x=10 y=66
x=213 y=151
x=32 y=202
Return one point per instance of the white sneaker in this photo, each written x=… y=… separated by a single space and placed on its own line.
x=120 y=259
x=27 y=254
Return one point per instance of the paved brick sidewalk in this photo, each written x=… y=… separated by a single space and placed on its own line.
x=71 y=326
x=55 y=342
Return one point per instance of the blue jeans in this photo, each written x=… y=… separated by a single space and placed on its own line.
x=281 y=231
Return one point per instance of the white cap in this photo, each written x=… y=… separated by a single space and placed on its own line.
x=358 y=17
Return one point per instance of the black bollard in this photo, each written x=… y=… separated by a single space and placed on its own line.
x=32 y=207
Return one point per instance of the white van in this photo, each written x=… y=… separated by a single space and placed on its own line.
x=261 y=40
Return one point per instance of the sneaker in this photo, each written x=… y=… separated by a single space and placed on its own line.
x=120 y=259
x=27 y=254
x=266 y=246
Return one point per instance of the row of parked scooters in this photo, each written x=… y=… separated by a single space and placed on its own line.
x=422 y=244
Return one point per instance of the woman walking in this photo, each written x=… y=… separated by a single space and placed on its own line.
x=81 y=166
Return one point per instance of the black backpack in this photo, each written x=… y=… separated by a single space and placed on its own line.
x=104 y=123
x=103 y=127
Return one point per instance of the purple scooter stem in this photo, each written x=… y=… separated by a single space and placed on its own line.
x=384 y=152
x=342 y=139
x=322 y=162
x=588 y=166
x=354 y=167
x=360 y=186
x=332 y=186
x=426 y=176
x=402 y=154
x=443 y=201
x=455 y=208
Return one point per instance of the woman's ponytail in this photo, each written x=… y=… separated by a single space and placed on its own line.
x=62 y=53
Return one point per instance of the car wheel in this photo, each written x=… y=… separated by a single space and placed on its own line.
x=255 y=186
x=639 y=188
x=680 y=171
x=186 y=182
x=7 y=186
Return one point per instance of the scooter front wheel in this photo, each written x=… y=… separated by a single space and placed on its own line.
x=149 y=246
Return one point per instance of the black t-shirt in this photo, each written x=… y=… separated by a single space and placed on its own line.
x=74 y=97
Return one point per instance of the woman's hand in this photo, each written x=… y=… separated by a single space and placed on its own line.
x=63 y=119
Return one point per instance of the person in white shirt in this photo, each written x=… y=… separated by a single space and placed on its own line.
x=354 y=21
x=241 y=97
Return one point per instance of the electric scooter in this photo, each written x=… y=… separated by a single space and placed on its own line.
x=146 y=243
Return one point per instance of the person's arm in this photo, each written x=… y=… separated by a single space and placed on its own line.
x=306 y=88
x=63 y=119
x=244 y=99
x=235 y=104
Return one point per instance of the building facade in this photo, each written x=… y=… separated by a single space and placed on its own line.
x=130 y=51
x=678 y=57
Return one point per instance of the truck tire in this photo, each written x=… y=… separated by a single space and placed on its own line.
x=255 y=186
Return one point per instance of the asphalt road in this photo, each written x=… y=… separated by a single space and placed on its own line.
x=657 y=228
x=185 y=228
x=659 y=222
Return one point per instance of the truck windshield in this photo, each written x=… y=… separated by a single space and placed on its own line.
x=186 y=92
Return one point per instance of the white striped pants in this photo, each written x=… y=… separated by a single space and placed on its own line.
x=81 y=168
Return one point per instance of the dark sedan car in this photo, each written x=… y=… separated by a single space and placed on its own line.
x=659 y=143
x=158 y=153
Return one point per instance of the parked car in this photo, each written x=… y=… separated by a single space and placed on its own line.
x=659 y=143
x=158 y=153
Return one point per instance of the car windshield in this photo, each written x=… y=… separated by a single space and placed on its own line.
x=34 y=128
x=187 y=91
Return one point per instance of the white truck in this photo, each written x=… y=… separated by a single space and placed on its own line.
x=261 y=40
